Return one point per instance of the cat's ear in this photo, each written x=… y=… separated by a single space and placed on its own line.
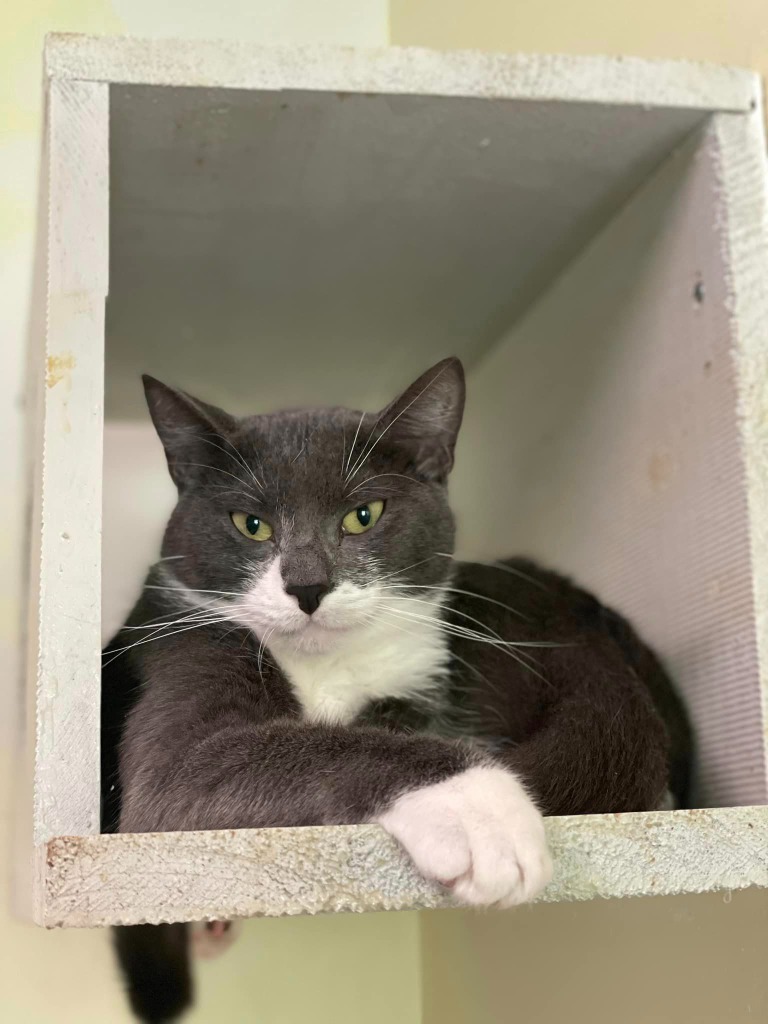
x=187 y=427
x=424 y=421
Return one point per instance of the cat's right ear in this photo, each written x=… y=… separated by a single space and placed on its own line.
x=190 y=429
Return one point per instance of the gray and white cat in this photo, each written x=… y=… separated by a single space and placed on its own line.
x=307 y=651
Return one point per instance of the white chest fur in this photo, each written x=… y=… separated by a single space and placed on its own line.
x=378 y=661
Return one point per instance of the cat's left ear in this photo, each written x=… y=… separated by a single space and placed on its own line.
x=424 y=421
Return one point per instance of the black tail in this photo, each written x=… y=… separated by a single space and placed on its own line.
x=154 y=959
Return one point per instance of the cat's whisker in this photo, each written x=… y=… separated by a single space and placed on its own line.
x=398 y=572
x=456 y=590
x=250 y=500
x=169 y=558
x=463 y=632
x=366 y=453
x=237 y=625
x=471 y=667
x=206 y=608
x=377 y=476
x=496 y=565
x=354 y=442
x=239 y=461
x=450 y=610
x=159 y=624
x=298 y=454
x=184 y=589
x=162 y=621
x=218 y=469
x=442 y=625
x=493 y=688
x=161 y=636
x=490 y=634
x=262 y=647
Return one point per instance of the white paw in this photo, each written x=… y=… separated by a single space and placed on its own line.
x=478 y=833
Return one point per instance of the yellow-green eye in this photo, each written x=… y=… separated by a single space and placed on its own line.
x=363 y=517
x=251 y=526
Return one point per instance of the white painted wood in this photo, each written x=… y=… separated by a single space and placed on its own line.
x=255 y=230
x=744 y=196
x=185 y=876
x=68 y=665
x=622 y=462
x=87 y=879
x=244 y=65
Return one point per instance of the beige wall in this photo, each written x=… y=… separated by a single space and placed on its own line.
x=673 y=960
x=678 y=960
x=723 y=31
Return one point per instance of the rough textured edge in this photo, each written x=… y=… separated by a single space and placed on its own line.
x=743 y=175
x=243 y=65
x=94 y=881
x=66 y=791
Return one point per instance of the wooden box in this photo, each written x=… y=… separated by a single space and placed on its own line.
x=310 y=225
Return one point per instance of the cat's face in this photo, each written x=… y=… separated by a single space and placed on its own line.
x=306 y=525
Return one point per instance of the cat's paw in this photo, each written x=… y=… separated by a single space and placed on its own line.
x=479 y=833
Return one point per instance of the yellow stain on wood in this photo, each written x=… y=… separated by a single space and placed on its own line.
x=58 y=368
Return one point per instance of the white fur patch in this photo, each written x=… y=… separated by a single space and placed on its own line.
x=478 y=833
x=354 y=651
x=362 y=643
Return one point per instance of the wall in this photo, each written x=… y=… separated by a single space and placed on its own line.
x=723 y=31
x=331 y=970
x=678 y=960
x=671 y=960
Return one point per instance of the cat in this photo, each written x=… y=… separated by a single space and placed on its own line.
x=308 y=651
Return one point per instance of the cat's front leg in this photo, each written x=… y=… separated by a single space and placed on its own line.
x=478 y=832
x=464 y=821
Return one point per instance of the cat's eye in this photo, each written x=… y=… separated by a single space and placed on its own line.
x=363 y=517
x=251 y=526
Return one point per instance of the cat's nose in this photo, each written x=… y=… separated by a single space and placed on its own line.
x=309 y=597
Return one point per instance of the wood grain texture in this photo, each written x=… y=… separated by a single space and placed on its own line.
x=242 y=65
x=68 y=657
x=743 y=179
x=126 y=879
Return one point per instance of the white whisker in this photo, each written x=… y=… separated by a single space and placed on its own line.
x=184 y=589
x=402 y=476
x=262 y=647
x=366 y=453
x=398 y=572
x=456 y=590
x=507 y=647
x=354 y=442
x=161 y=636
x=239 y=461
x=497 y=565
x=296 y=457
x=217 y=469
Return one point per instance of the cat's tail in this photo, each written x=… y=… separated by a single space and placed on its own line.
x=155 y=963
